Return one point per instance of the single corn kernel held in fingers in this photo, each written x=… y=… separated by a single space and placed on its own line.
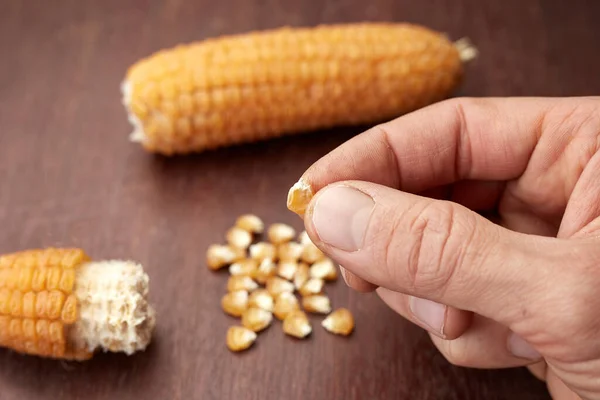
x=238 y=238
x=317 y=303
x=276 y=285
x=287 y=269
x=312 y=286
x=240 y=282
x=302 y=275
x=285 y=303
x=324 y=269
x=58 y=303
x=290 y=251
x=299 y=196
x=240 y=338
x=280 y=233
x=235 y=303
x=262 y=250
x=245 y=267
x=296 y=324
x=250 y=223
x=339 y=322
x=265 y=270
x=213 y=93
x=261 y=298
x=256 y=319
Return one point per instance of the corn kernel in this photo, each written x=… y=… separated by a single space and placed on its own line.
x=318 y=304
x=303 y=238
x=25 y=277
x=285 y=303
x=57 y=334
x=53 y=278
x=296 y=324
x=256 y=319
x=287 y=269
x=240 y=338
x=73 y=258
x=16 y=303
x=56 y=300
x=299 y=196
x=218 y=256
x=246 y=267
x=69 y=312
x=238 y=238
x=4 y=328
x=67 y=281
x=311 y=254
x=42 y=329
x=29 y=305
x=280 y=233
x=290 y=251
x=5 y=301
x=324 y=269
x=38 y=281
x=276 y=285
x=339 y=322
x=312 y=286
x=235 y=303
x=265 y=270
x=28 y=329
x=302 y=275
x=261 y=298
x=262 y=250
x=41 y=302
x=240 y=282
x=250 y=223
x=15 y=329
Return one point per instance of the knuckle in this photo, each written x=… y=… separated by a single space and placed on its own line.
x=434 y=248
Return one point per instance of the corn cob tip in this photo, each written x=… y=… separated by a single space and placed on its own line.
x=137 y=135
x=114 y=313
x=466 y=50
x=299 y=196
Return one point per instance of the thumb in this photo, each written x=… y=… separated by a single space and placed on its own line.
x=436 y=250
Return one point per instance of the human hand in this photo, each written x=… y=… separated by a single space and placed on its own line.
x=403 y=207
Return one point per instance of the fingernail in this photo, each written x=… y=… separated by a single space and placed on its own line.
x=429 y=313
x=520 y=348
x=341 y=216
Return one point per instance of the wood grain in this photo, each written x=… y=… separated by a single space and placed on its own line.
x=70 y=177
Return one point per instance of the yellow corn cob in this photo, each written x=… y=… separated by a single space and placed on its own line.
x=250 y=87
x=57 y=303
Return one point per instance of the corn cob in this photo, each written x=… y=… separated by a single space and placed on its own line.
x=57 y=303
x=259 y=85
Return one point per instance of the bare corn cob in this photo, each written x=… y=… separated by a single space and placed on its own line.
x=57 y=303
x=259 y=85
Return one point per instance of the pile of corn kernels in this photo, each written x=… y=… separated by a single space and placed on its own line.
x=264 y=279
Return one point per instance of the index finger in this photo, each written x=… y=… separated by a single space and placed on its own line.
x=457 y=139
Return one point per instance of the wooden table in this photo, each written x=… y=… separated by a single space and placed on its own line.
x=71 y=178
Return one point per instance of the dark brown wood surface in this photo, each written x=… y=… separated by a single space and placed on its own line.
x=69 y=177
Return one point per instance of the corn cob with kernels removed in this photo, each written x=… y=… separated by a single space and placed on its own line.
x=57 y=303
x=260 y=85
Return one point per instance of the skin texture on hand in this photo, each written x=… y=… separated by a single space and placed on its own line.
x=478 y=220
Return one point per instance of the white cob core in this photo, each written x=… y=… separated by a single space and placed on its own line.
x=114 y=314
